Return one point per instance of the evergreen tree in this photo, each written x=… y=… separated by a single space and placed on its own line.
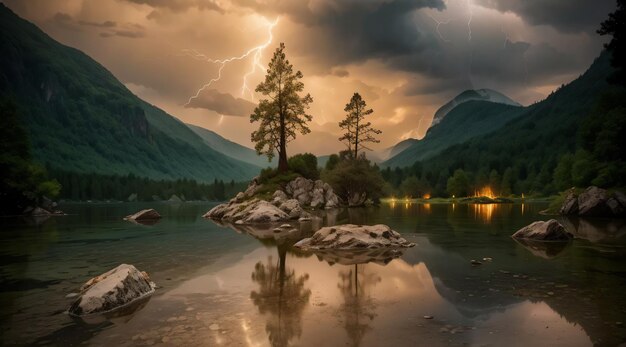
x=615 y=26
x=357 y=131
x=283 y=114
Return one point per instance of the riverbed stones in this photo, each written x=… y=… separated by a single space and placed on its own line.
x=350 y=236
x=113 y=289
x=550 y=230
x=144 y=215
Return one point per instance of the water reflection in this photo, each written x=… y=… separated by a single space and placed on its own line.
x=281 y=297
x=358 y=308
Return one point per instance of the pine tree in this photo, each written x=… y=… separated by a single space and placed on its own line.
x=357 y=132
x=283 y=114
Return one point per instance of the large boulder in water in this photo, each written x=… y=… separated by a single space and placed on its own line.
x=594 y=202
x=551 y=230
x=144 y=215
x=248 y=212
x=350 y=236
x=114 y=289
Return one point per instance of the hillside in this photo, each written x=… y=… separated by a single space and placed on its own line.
x=467 y=120
x=569 y=139
x=471 y=95
x=80 y=118
x=230 y=148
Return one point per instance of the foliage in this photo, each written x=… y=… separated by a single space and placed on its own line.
x=570 y=139
x=414 y=187
x=352 y=177
x=356 y=131
x=615 y=26
x=82 y=187
x=305 y=164
x=22 y=182
x=80 y=118
x=458 y=184
x=283 y=114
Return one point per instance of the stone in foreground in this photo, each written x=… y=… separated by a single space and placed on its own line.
x=350 y=236
x=114 y=289
x=144 y=215
x=551 y=230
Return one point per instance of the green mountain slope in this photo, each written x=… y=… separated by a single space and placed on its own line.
x=532 y=145
x=230 y=148
x=81 y=118
x=467 y=120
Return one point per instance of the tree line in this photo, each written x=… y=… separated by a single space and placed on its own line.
x=91 y=186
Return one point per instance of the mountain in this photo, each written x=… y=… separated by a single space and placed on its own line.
x=80 y=118
x=230 y=148
x=469 y=119
x=571 y=138
x=471 y=95
x=533 y=143
x=399 y=147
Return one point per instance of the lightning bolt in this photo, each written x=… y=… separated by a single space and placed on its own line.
x=469 y=20
x=439 y=23
x=255 y=52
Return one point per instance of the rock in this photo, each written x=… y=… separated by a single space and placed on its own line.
x=570 y=205
x=144 y=215
x=551 y=230
x=175 y=198
x=592 y=203
x=38 y=211
x=350 y=236
x=279 y=197
x=428 y=317
x=317 y=197
x=475 y=262
x=304 y=219
x=239 y=222
x=111 y=290
x=285 y=226
x=289 y=205
x=265 y=212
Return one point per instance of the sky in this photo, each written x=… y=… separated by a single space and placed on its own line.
x=200 y=60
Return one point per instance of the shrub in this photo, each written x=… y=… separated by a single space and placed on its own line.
x=305 y=164
x=355 y=176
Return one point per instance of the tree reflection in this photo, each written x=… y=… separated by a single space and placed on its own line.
x=282 y=296
x=358 y=308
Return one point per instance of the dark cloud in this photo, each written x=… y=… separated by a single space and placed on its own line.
x=123 y=33
x=363 y=29
x=181 y=5
x=222 y=103
x=105 y=24
x=340 y=72
x=563 y=15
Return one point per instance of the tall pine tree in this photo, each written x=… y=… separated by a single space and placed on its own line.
x=357 y=130
x=283 y=114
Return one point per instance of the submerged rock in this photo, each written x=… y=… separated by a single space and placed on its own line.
x=350 y=236
x=118 y=287
x=551 y=230
x=144 y=215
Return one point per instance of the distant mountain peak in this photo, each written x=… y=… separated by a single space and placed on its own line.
x=471 y=95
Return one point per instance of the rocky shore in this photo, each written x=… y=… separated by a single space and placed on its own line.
x=287 y=203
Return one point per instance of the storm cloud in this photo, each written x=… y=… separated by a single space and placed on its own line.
x=222 y=103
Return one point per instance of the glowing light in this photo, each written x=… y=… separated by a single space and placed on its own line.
x=469 y=21
x=255 y=52
x=485 y=191
x=439 y=23
x=426 y=196
x=484 y=212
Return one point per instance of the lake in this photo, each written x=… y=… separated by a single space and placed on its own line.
x=247 y=287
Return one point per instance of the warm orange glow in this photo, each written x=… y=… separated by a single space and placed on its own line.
x=426 y=196
x=485 y=191
x=484 y=212
x=426 y=208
